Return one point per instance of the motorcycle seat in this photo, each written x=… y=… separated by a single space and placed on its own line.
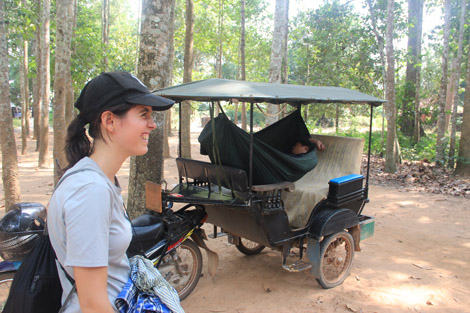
x=147 y=227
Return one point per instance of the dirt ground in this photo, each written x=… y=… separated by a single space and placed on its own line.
x=418 y=260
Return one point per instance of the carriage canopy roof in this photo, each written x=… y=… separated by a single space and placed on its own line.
x=245 y=91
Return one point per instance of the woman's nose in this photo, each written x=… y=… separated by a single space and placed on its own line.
x=152 y=124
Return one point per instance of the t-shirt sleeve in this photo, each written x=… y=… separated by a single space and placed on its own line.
x=87 y=217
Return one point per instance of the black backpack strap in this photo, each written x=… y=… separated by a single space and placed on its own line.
x=69 y=278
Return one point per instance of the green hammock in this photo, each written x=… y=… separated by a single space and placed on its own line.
x=272 y=162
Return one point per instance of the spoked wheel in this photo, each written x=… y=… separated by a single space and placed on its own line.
x=5 y=283
x=182 y=268
x=249 y=247
x=336 y=255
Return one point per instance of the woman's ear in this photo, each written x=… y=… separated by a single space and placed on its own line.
x=108 y=120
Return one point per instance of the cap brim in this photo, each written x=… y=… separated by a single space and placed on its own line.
x=156 y=102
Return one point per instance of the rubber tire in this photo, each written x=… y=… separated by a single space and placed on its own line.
x=6 y=279
x=245 y=249
x=196 y=256
x=327 y=245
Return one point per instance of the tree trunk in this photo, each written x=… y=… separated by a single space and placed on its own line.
x=105 y=34
x=463 y=162
x=167 y=127
x=187 y=77
x=411 y=81
x=37 y=90
x=62 y=59
x=456 y=86
x=450 y=90
x=155 y=69
x=390 y=107
x=285 y=61
x=277 y=54
x=10 y=177
x=24 y=87
x=417 y=113
x=45 y=83
x=242 y=58
x=69 y=95
x=441 y=142
x=380 y=42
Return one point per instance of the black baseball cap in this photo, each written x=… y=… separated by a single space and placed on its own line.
x=113 y=88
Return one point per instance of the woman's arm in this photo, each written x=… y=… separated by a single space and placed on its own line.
x=92 y=289
x=320 y=146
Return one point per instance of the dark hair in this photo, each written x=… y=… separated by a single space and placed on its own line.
x=77 y=143
x=303 y=142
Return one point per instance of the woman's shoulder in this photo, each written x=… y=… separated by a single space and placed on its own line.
x=85 y=174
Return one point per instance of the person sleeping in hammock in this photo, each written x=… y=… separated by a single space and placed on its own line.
x=303 y=146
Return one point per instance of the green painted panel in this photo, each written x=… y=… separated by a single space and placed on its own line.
x=367 y=228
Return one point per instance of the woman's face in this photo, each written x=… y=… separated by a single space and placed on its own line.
x=132 y=130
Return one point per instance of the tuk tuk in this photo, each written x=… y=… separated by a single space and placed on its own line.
x=319 y=212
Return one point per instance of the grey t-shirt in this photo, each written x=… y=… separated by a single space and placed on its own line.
x=88 y=227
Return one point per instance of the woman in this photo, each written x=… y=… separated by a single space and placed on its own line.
x=87 y=224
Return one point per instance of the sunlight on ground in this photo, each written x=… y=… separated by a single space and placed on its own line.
x=406 y=203
x=407 y=296
x=425 y=220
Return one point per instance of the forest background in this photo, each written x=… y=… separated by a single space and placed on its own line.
x=50 y=49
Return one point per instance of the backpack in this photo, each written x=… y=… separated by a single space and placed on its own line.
x=36 y=286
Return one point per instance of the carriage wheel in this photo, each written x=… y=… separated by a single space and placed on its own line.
x=249 y=247
x=336 y=255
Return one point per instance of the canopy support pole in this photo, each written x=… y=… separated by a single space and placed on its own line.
x=368 y=153
x=250 y=174
x=179 y=137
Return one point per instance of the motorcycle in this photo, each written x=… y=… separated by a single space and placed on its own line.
x=170 y=239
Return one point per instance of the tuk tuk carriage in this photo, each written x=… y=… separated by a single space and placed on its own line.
x=319 y=212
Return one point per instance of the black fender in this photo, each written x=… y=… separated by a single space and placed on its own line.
x=329 y=221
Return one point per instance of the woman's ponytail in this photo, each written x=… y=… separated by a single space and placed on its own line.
x=77 y=143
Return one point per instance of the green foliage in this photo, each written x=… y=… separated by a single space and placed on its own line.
x=207 y=38
x=86 y=46
x=331 y=47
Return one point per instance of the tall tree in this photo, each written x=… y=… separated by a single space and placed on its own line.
x=69 y=92
x=10 y=177
x=167 y=128
x=390 y=106
x=417 y=110
x=463 y=161
x=44 y=72
x=155 y=67
x=105 y=34
x=62 y=60
x=413 y=64
x=277 y=53
x=441 y=142
x=187 y=77
x=24 y=86
x=453 y=131
x=380 y=42
x=37 y=90
x=242 y=58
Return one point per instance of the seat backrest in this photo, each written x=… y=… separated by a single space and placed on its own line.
x=342 y=156
x=205 y=172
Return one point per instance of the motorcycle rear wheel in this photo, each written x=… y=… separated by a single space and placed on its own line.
x=182 y=268
x=6 y=279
